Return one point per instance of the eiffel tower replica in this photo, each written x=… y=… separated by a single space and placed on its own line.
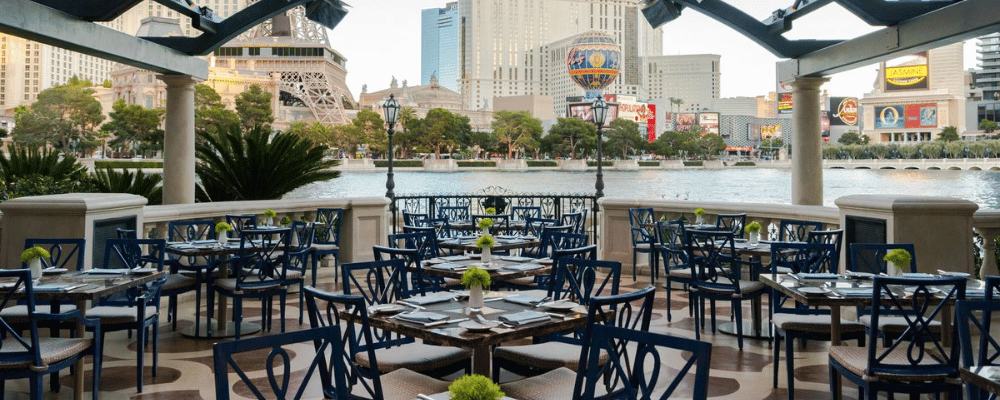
x=298 y=51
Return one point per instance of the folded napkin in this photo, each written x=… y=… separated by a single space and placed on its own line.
x=524 y=317
x=459 y=257
x=431 y=298
x=817 y=275
x=467 y=237
x=523 y=267
x=919 y=275
x=524 y=299
x=516 y=258
x=507 y=237
x=448 y=266
x=106 y=271
x=853 y=292
x=52 y=287
x=421 y=317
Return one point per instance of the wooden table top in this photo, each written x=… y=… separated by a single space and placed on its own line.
x=84 y=286
x=985 y=377
x=496 y=268
x=823 y=292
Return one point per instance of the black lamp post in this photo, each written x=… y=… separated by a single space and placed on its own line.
x=391 y=111
x=600 y=110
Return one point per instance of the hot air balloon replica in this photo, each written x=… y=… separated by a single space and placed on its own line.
x=593 y=62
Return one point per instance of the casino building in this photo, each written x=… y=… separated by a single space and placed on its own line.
x=915 y=97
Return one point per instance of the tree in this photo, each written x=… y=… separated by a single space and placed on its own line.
x=771 y=147
x=709 y=145
x=255 y=165
x=347 y=138
x=61 y=116
x=30 y=172
x=209 y=112
x=948 y=134
x=254 y=108
x=987 y=125
x=440 y=128
x=403 y=139
x=135 y=127
x=852 y=137
x=138 y=183
x=624 y=137
x=372 y=128
x=672 y=143
x=316 y=132
x=570 y=134
x=516 y=129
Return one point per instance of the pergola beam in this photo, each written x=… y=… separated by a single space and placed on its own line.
x=960 y=21
x=29 y=20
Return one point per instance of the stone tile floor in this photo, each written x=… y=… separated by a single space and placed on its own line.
x=185 y=364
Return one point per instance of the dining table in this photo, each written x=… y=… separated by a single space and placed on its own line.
x=467 y=243
x=985 y=377
x=82 y=287
x=479 y=329
x=500 y=268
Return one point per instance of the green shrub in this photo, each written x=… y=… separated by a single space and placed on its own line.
x=745 y=164
x=604 y=163
x=127 y=164
x=649 y=163
x=542 y=163
x=477 y=163
x=693 y=163
x=400 y=163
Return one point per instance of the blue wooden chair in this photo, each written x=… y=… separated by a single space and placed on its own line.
x=671 y=241
x=203 y=267
x=915 y=362
x=521 y=213
x=411 y=219
x=501 y=222
x=454 y=213
x=326 y=238
x=242 y=356
x=33 y=356
x=731 y=223
x=300 y=251
x=975 y=320
x=626 y=371
x=793 y=230
x=239 y=222
x=442 y=227
x=260 y=272
x=138 y=308
x=641 y=221
x=868 y=257
x=380 y=360
x=577 y=220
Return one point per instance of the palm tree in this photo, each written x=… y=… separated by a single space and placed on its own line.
x=406 y=116
x=110 y=181
x=237 y=166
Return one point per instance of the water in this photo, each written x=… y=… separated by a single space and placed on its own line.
x=752 y=185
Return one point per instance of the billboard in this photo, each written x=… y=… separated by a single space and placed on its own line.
x=709 y=122
x=844 y=110
x=641 y=113
x=685 y=122
x=907 y=73
x=784 y=103
x=906 y=116
x=769 y=132
x=651 y=125
x=889 y=117
x=585 y=111
x=824 y=123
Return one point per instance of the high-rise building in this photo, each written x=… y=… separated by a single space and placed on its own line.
x=986 y=79
x=694 y=79
x=513 y=48
x=439 y=45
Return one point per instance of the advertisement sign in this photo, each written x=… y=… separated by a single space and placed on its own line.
x=585 y=111
x=709 y=122
x=845 y=111
x=784 y=103
x=889 y=117
x=824 y=123
x=685 y=122
x=921 y=115
x=770 y=132
x=651 y=124
x=907 y=73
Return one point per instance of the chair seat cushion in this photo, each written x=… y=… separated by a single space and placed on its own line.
x=783 y=270
x=745 y=287
x=812 y=323
x=117 y=314
x=324 y=247
x=404 y=384
x=683 y=273
x=414 y=356
x=19 y=313
x=292 y=274
x=895 y=323
x=52 y=350
x=546 y=356
x=855 y=360
x=553 y=385
x=178 y=281
x=641 y=246
x=230 y=285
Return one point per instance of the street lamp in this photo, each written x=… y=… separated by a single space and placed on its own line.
x=391 y=110
x=600 y=111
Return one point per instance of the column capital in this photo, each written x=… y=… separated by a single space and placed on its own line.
x=809 y=82
x=178 y=80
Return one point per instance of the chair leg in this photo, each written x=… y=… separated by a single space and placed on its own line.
x=172 y=311
x=634 y=266
x=789 y=364
x=668 y=298
x=140 y=350
x=834 y=387
x=738 y=310
x=237 y=315
x=777 y=359
x=281 y=309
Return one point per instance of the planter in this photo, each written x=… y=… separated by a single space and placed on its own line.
x=699 y=220
x=486 y=256
x=35 y=266
x=476 y=297
x=268 y=221
x=754 y=238
x=892 y=270
x=223 y=237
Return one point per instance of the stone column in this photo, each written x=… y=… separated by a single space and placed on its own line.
x=178 y=141
x=807 y=154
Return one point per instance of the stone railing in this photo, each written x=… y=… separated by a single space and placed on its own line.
x=986 y=222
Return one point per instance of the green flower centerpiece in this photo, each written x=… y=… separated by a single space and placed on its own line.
x=699 y=214
x=33 y=257
x=475 y=387
x=222 y=230
x=753 y=229
x=485 y=243
x=269 y=215
x=285 y=221
x=491 y=210
x=485 y=224
x=896 y=260
x=476 y=279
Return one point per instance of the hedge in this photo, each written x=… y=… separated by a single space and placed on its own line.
x=693 y=163
x=127 y=164
x=400 y=163
x=649 y=163
x=745 y=164
x=604 y=163
x=477 y=163
x=542 y=163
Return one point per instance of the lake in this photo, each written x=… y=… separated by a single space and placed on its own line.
x=752 y=185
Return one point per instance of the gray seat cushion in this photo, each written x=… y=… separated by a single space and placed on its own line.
x=52 y=350
x=557 y=384
x=895 y=323
x=550 y=355
x=19 y=313
x=230 y=285
x=855 y=360
x=812 y=323
x=116 y=314
x=414 y=356
x=404 y=384
x=178 y=281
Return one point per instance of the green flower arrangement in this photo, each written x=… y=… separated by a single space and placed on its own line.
x=223 y=227
x=699 y=212
x=485 y=241
x=485 y=223
x=285 y=220
x=491 y=210
x=304 y=219
x=899 y=257
x=270 y=213
x=752 y=227
x=474 y=387
x=32 y=253
x=475 y=276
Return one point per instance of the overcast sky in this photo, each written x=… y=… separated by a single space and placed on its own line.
x=381 y=39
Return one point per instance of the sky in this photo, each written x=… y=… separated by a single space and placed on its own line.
x=381 y=40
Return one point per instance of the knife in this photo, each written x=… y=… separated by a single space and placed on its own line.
x=444 y=322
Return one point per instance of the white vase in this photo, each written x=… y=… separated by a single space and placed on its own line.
x=35 y=266
x=268 y=221
x=476 y=296
x=223 y=237
x=486 y=256
x=699 y=220
x=892 y=270
x=754 y=238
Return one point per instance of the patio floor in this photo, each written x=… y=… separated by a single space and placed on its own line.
x=185 y=370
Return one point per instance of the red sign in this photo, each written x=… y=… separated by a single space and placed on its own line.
x=651 y=124
x=920 y=116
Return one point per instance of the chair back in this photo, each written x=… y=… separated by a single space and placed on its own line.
x=868 y=257
x=123 y=233
x=275 y=351
x=131 y=254
x=300 y=248
x=17 y=348
x=992 y=287
x=581 y=279
x=627 y=375
x=327 y=225
x=454 y=213
x=442 y=228
x=423 y=241
x=239 y=222
x=577 y=220
x=189 y=231
x=501 y=222
x=262 y=262
x=732 y=223
x=641 y=217
x=918 y=351
x=410 y=218
x=521 y=213
x=829 y=236
x=548 y=235
x=63 y=253
x=377 y=282
x=419 y=283
x=535 y=226
x=801 y=258
x=793 y=230
x=565 y=240
x=975 y=321
x=716 y=265
x=588 y=252
x=673 y=243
